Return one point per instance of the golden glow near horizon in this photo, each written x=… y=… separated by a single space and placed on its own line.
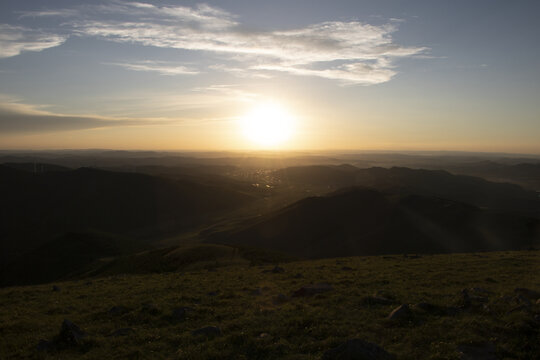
x=267 y=125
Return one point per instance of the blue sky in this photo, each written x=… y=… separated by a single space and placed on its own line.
x=403 y=75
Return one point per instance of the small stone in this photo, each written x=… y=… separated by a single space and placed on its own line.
x=375 y=300
x=528 y=293
x=179 y=314
x=482 y=351
x=401 y=312
x=310 y=290
x=256 y=292
x=347 y=268
x=44 y=345
x=150 y=308
x=208 y=331
x=122 y=332
x=213 y=293
x=278 y=270
x=55 y=288
x=70 y=335
x=118 y=310
x=357 y=349
x=280 y=299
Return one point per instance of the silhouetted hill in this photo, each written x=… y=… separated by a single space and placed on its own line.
x=67 y=254
x=36 y=167
x=439 y=183
x=363 y=221
x=37 y=207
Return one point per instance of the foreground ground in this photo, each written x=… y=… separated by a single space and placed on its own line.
x=154 y=316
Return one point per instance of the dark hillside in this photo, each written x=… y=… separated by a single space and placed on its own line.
x=438 y=183
x=37 y=207
x=362 y=221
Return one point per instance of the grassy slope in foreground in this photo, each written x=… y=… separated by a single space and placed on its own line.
x=296 y=328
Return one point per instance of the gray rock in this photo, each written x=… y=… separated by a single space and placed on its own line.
x=150 y=308
x=310 y=290
x=118 y=310
x=375 y=300
x=280 y=299
x=122 y=332
x=256 y=292
x=401 y=312
x=482 y=351
x=357 y=349
x=180 y=314
x=208 y=331
x=528 y=293
x=70 y=335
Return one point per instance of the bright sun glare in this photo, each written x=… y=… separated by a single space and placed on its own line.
x=267 y=125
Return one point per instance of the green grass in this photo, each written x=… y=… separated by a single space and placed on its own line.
x=300 y=328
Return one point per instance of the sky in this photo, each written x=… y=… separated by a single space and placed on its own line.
x=340 y=75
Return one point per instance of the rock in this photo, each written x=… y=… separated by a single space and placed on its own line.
x=521 y=307
x=347 y=268
x=481 y=351
x=479 y=290
x=298 y=276
x=44 y=345
x=280 y=299
x=357 y=349
x=118 y=310
x=150 y=308
x=310 y=290
x=213 y=293
x=265 y=336
x=179 y=314
x=538 y=302
x=375 y=300
x=208 y=331
x=122 y=332
x=520 y=299
x=70 y=335
x=401 y=312
x=55 y=288
x=256 y=292
x=278 y=270
x=528 y=293
x=428 y=307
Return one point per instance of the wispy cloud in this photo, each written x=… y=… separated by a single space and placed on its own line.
x=17 y=39
x=161 y=67
x=17 y=117
x=351 y=52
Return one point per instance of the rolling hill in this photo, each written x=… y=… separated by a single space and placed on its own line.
x=361 y=221
x=36 y=207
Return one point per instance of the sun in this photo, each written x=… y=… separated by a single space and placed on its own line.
x=267 y=125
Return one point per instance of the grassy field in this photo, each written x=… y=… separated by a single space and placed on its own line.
x=259 y=319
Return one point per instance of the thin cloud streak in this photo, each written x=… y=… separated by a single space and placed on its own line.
x=17 y=39
x=23 y=118
x=161 y=67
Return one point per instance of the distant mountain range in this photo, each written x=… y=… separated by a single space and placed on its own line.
x=438 y=183
x=363 y=221
x=37 y=206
